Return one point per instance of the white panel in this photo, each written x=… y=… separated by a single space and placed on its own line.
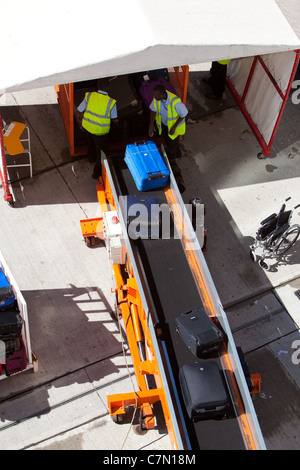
x=263 y=102
x=238 y=70
x=280 y=66
x=67 y=41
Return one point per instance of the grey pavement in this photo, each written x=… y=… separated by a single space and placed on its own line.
x=68 y=286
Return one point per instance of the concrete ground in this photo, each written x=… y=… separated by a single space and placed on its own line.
x=81 y=350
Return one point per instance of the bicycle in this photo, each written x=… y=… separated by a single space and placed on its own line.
x=275 y=236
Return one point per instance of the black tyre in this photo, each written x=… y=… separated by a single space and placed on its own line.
x=264 y=264
x=252 y=255
x=288 y=240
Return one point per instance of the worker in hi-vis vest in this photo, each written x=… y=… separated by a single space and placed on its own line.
x=98 y=109
x=168 y=113
x=217 y=78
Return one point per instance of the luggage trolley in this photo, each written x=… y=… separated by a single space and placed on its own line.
x=275 y=236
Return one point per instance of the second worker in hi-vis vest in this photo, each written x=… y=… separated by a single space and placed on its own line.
x=98 y=110
x=169 y=113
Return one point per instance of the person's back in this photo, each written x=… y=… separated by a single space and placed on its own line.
x=98 y=110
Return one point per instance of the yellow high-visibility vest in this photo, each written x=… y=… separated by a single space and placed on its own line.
x=224 y=62
x=96 y=117
x=172 y=116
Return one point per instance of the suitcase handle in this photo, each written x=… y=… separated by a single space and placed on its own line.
x=155 y=176
x=140 y=142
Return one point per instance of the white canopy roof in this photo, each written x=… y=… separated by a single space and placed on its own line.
x=62 y=41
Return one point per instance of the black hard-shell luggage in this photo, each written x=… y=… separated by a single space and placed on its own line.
x=204 y=391
x=199 y=332
x=121 y=88
x=11 y=324
x=11 y=346
x=142 y=216
x=159 y=73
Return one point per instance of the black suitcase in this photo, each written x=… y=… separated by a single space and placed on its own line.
x=159 y=73
x=11 y=346
x=121 y=88
x=199 y=332
x=142 y=216
x=11 y=324
x=204 y=391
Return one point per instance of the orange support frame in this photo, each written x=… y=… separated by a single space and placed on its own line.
x=92 y=228
x=130 y=308
x=65 y=97
x=183 y=80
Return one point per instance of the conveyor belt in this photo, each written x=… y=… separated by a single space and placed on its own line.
x=173 y=291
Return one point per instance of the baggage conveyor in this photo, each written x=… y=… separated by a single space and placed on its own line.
x=156 y=280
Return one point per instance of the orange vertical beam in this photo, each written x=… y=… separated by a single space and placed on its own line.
x=183 y=80
x=71 y=118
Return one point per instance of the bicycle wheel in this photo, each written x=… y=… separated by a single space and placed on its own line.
x=288 y=239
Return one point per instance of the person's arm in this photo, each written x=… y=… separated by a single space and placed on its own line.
x=151 y=123
x=81 y=109
x=183 y=112
x=114 y=114
x=177 y=123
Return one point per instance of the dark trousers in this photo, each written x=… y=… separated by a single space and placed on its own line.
x=172 y=145
x=218 y=78
x=96 y=143
x=173 y=151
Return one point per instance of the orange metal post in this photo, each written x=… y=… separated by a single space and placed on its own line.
x=92 y=227
x=183 y=79
x=65 y=96
x=117 y=403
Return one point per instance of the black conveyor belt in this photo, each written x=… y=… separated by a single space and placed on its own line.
x=173 y=291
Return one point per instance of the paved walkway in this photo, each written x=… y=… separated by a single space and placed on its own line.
x=68 y=286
